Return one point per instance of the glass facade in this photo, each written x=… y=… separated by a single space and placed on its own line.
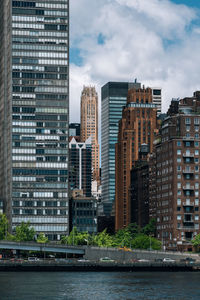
x=114 y=97
x=36 y=106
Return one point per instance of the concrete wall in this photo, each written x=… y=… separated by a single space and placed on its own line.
x=95 y=253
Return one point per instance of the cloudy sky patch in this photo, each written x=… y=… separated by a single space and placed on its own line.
x=155 y=41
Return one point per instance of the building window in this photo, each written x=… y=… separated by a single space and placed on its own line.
x=178 y=217
x=178 y=143
x=196 y=144
x=178 y=152
x=187 y=127
x=178 y=201
x=187 y=121
x=196 y=152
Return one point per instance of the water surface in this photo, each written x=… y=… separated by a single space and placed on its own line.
x=99 y=285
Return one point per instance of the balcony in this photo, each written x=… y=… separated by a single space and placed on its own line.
x=188 y=138
x=188 y=171
x=186 y=228
x=188 y=221
x=188 y=204
x=188 y=155
x=186 y=187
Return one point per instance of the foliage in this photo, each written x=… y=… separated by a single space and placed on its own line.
x=75 y=238
x=196 y=242
x=150 y=229
x=103 y=239
x=24 y=232
x=131 y=236
x=3 y=226
x=42 y=239
x=143 y=241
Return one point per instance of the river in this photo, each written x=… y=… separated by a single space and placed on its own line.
x=99 y=285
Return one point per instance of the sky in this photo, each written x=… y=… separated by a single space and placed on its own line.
x=155 y=41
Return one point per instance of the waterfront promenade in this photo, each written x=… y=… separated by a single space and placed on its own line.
x=75 y=265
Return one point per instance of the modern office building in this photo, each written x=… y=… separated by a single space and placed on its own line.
x=34 y=110
x=137 y=129
x=114 y=98
x=75 y=129
x=177 y=160
x=89 y=125
x=83 y=212
x=157 y=99
x=80 y=166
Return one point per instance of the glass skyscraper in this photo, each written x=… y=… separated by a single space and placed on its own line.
x=34 y=110
x=114 y=97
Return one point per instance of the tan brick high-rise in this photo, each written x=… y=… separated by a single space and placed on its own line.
x=137 y=127
x=89 y=124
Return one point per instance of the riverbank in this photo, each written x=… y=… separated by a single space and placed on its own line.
x=53 y=266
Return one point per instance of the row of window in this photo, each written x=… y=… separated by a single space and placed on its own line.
x=40 y=54
x=39 y=26
x=44 y=212
x=39 y=172
x=39 y=4
x=40 y=203
x=39 y=12
x=40 y=33
x=188 y=143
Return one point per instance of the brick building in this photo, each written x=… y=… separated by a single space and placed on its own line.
x=137 y=126
x=177 y=175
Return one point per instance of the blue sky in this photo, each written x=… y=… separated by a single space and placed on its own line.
x=191 y=3
x=156 y=41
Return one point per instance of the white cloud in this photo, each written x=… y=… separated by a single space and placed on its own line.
x=151 y=40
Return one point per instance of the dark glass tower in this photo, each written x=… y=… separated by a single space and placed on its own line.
x=34 y=111
x=114 y=97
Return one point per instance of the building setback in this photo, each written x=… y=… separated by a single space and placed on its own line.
x=157 y=99
x=137 y=126
x=89 y=124
x=114 y=98
x=177 y=174
x=34 y=113
x=80 y=166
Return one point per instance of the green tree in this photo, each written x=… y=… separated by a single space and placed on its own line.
x=3 y=226
x=76 y=238
x=103 y=239
x=150 y=229
x=122 y=238
x=24 y=232
x=64 y=239
x=143 y=241
x=196 y=242
x=134 y=229
x=42 y=239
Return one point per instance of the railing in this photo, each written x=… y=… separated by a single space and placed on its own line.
x=188 y=154
x=188 y=203
x=188 y=171
x=188 y=138
x=187 y=187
